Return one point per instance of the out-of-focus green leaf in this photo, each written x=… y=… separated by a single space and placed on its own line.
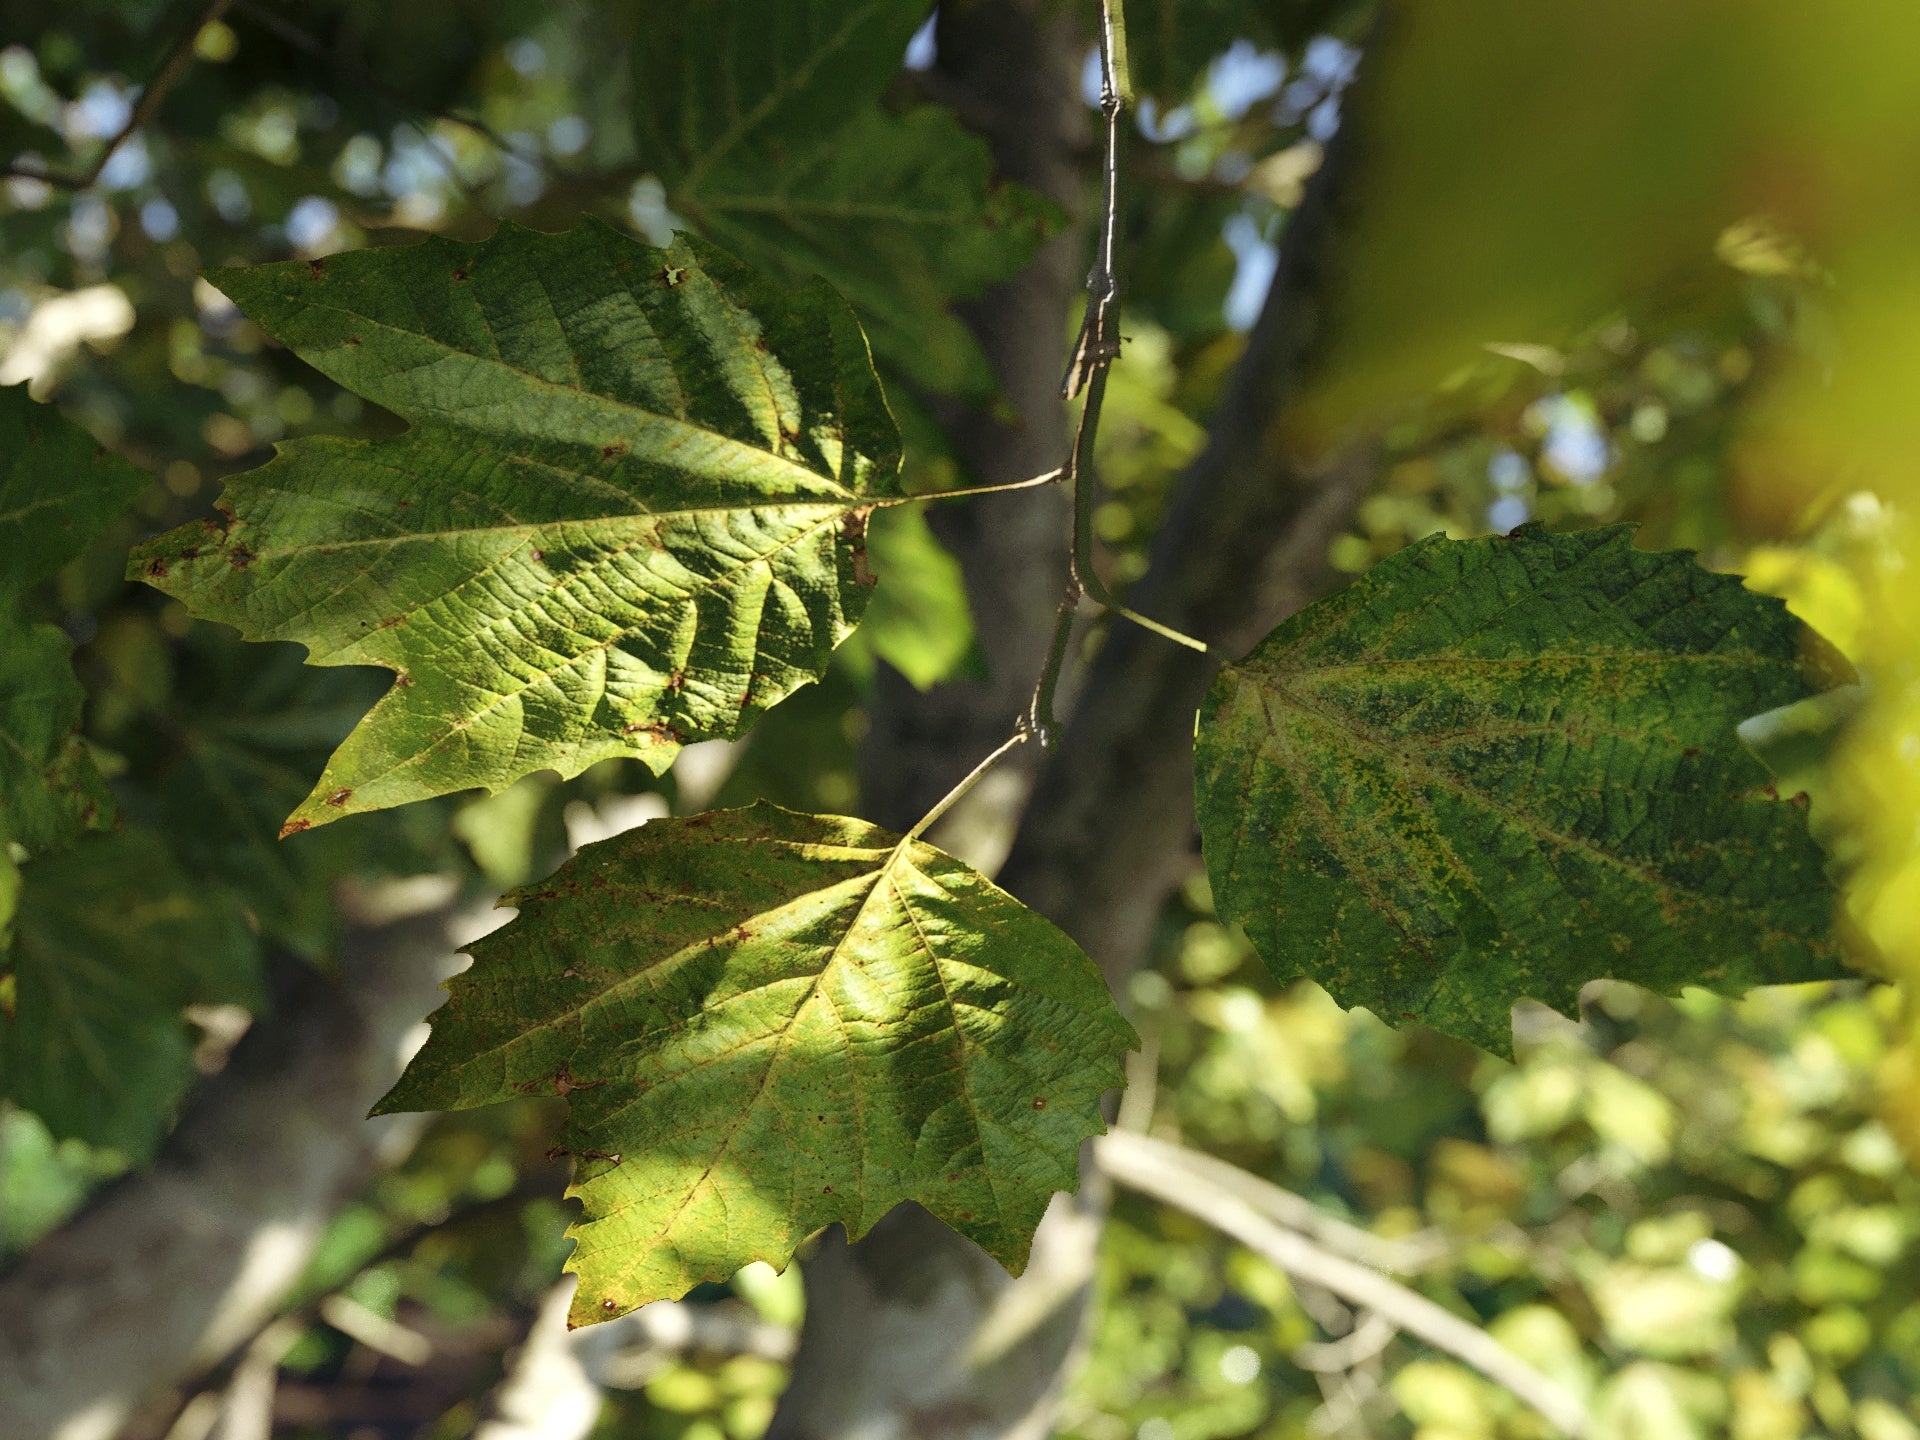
x=1496 y=769
x=1171 y=42
x=251 y=728
x=919 y=620
x=59 y=487
x=762 y=119
x=767 y=1022
x=630 y=511
x=51 y=792
x=110 y=942
x=9 y=897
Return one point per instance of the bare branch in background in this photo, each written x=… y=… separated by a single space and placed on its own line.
x=176 y=64
x=1130 y=1150
x=1194 y=1190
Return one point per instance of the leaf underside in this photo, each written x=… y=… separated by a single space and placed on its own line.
x=763 y=120
x=1495 y=769
x=765 y=1022
x=629 y=512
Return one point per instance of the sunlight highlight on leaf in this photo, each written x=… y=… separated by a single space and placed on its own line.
x=629 y=512
x=766 y=1022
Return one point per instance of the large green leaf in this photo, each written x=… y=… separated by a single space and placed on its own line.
x=59 y=488
x=51 y=792
x=629 y=511
x=762 y=119
x=110 y=942
x=1495 y=769
x=765 y=1022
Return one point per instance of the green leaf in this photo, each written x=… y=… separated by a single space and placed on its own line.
x=919 y=621
x=1495 y=769
x=51 y=792
x=248 y=730
x=762 y=119
x=110 y=942
x=1170 y=43
x=59 y=488
x=766 y=1022
x=9 y=897
x=629 y=512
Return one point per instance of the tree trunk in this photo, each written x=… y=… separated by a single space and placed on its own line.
x=167 y=1272
x=915 y=1332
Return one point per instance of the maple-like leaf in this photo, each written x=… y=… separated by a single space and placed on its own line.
x=766 y=1022
x=629 y=511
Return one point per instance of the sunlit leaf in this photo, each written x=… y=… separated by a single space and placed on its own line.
x=629 y=512
x=1496 y=769
x=110 y=942
x=761 y=117
x=766 y=1022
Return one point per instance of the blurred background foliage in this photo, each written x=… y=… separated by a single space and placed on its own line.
x=1646 y=261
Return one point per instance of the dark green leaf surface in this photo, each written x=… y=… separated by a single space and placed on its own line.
x=766 y=1022
x=629 y=512
x=1496 y=769
x=762 y=119
x=59 y=488
x=51 y=792
x=110 y=942
x=251 y=727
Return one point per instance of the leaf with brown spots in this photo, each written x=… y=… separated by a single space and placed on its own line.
x=607 y=482
x=1496 y=769
x=766 y=1022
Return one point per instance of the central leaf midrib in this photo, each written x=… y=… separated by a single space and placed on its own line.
x=792 y=84
x=1522 y=820
x=466 y=721
x=775 y=1041
x=621 y=410
x=529 y=527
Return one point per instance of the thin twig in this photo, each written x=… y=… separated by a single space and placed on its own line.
x=1098 y=345
x=1186 y=1189
x=178 y=59
x=973 y=777
x=1040 y=717
x=1093 y=354
x=1278 y=1204
x=295 y=37
x=1359 y=1345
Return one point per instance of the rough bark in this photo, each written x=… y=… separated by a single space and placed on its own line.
x=903 y=1331
x=168 y=1271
